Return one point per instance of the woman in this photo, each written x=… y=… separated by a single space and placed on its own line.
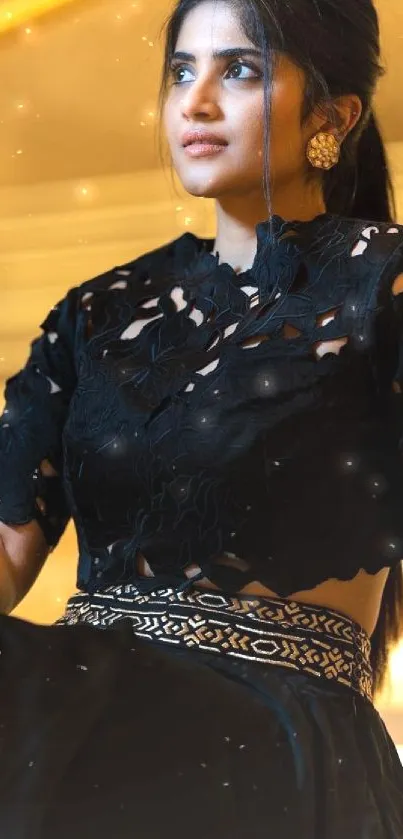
x=222 y=420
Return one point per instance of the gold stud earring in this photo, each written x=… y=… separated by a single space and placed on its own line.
x=323 y=151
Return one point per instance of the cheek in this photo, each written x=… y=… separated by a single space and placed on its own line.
x=251 y=130
x=168 y=119
x=287 y=140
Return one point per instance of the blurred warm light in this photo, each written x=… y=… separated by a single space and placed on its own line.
x=17 y=12
x=396 y=671
x=86 y=192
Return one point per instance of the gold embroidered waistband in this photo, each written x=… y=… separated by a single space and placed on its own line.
x=311 y=639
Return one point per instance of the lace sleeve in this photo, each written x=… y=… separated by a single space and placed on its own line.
x=36 y=404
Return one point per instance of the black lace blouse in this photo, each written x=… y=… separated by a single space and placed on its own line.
x=249 y=423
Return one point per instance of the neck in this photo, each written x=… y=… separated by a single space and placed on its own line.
x=238 y=216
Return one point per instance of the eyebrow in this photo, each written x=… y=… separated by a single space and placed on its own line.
x=232 y=52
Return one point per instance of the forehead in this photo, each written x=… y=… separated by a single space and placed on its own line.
x=211 y=24
x=214 y=25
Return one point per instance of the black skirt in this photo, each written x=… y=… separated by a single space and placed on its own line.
x=192 y=715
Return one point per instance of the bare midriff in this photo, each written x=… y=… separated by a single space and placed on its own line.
x=359 y=598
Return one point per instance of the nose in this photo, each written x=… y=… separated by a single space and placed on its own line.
x=200 y=100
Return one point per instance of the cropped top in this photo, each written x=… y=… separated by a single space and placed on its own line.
x=191 y=413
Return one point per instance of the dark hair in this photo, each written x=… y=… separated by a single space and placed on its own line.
x=336 y=43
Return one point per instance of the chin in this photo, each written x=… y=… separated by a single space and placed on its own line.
x=210 y=184
x=201 y=190
x=203 y=186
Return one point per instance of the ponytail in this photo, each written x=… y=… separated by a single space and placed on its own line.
x=374 y=195
x=389 y=628
x=367 y=178
x=361 y=185
x=374 y=199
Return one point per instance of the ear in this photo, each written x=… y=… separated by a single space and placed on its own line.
x=348 y=109
x=339 y=116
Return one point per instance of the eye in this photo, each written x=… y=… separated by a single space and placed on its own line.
x=175 y=70
x=244 y=66
x=234 y=68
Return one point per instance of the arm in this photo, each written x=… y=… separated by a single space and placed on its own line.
x=23 y=551
x=34 y=510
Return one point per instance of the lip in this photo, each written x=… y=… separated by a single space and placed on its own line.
x=202 y=137
x=203 y=149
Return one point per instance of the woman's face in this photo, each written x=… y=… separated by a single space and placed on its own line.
x=225 y=95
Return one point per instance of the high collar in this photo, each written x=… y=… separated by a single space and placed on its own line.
x=268 y=233
x=279 y=246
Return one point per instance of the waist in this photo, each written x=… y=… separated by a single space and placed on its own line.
x=315 y=640
x=359 y=598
